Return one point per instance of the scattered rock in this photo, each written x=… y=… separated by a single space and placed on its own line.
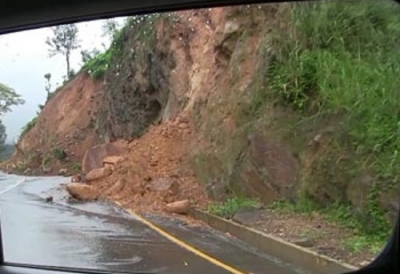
x=183 y=126
x=47 y=169
x=115 y=188
x=81 y=191
x=98 y=173
x=317 y=138
x=304 y=242
x=231 y=27
x=162 y=184
x=247 y=215
x=76 y=178
x=364 y=263
x=148 y=178
x=94 y=156
x=49 y=199
x=180 y=207
x=63 y=172
x=112 y=160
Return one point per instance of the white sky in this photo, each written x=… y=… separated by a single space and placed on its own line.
x=23 y=62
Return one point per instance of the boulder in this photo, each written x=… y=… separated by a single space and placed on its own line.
x=162 y=184
x=248 y=215
x=81 y=191
x=112 y=160
x=180 y=207
x=98 y=173
x=94 y=156
x=76 y=178
x=63 y=172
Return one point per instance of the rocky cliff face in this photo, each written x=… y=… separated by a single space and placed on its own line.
x=201 y=73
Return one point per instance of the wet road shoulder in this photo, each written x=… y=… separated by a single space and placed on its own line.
x=102 y=236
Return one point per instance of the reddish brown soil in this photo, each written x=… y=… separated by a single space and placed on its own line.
x=155 y=171
x=65 y=124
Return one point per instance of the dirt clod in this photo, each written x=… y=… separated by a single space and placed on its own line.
x=81 y=191
x=98 y=173
x=180 y=207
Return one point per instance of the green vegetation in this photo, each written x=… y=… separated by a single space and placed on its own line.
x=98 y=63
x=77 y=166
x=59 y=153
x=63 y=41
x=6 y=151
x=46 y=161
x=8 y=98
x=370 y=230
x=28 y=126
x=343 y=58
x=229 y=208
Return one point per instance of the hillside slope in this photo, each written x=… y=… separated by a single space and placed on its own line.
x=59 y=137
x=244 y=101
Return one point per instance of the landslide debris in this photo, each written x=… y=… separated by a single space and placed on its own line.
x=153 y=175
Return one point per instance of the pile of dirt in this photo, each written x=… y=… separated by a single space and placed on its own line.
x=154 y=172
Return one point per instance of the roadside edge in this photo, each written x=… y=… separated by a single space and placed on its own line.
x=288 y=252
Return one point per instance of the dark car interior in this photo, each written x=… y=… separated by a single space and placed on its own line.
x=20 y=15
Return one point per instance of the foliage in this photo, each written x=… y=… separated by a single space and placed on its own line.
x=349 y=67
x=47 y=76
x=46 y=161
x=64 y=41
x=97 y=63
x=3 y=137
x=29 y=126
x=77 y=166
x=86 y=55
x=59 y=153
x=110 y=28
x=8 y=98
x=6 y=151
x=229 y=208
x=370 y=230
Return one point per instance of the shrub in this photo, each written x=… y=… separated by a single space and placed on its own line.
x=29 y=126
x=229 y=208
x=59 y=154
x=349 y=67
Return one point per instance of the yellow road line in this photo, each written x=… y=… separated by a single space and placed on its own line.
x=183 y=244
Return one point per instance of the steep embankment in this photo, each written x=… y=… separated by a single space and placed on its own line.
x=59 y=137
x=268 y=108
x=219 y=67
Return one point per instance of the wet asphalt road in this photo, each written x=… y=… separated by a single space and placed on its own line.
x=103 y=237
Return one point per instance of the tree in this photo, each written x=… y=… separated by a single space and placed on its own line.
x=8 y=98
x=110 y=28
x=64 y=41
x=47 y=76
x=3 y=136
x=87 y=55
